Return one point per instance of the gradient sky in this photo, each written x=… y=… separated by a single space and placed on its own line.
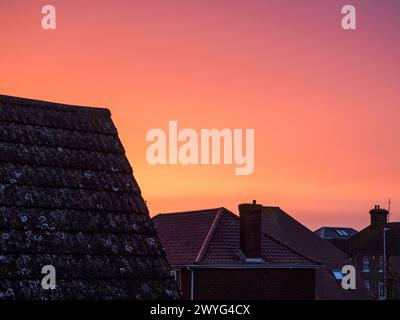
x=324 y=102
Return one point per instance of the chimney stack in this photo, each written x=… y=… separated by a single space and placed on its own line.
x=250 y=229
x=379 y=216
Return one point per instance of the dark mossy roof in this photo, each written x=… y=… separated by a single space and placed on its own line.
x=68 y=198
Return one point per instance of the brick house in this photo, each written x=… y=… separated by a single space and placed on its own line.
x=368 y=251
x=68 y=199
x=217 y=255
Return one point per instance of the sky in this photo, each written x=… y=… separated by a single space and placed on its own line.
x=323 y=101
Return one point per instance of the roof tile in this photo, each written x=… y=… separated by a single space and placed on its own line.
x=183 y=234
x=68 y=198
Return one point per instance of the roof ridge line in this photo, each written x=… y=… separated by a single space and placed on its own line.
x=209 y=235
x=44 y=104
x=313 y=235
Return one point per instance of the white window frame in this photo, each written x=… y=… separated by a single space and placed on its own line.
x=381 y=289
x=365 y=264
x=381 y=264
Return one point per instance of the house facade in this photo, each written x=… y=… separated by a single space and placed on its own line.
x=376 y=254
x=217 y=255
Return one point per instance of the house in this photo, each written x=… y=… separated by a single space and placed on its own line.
x=337 y=236
x=376 y=254
x=217 y=255
x=284 y=228
x=68 y=199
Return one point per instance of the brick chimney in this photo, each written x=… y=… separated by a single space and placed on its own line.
x=250 y=229
x=379 y=216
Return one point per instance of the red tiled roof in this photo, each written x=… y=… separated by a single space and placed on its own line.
x=212 y=237
x=183 y=234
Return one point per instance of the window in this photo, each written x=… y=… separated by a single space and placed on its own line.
x=342 y=232
x=365 y=264
x=367 y=284
x=337 y=274
x=381 y=264
x=381 y=289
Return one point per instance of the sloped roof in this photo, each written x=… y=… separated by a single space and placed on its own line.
x=68 y=199
x=370 y=239
x=339 y=233
x=285 y=228
x=183 y=234
x=212 y=237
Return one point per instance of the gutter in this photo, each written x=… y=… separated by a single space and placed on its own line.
x=255 y=266
x=191 y=283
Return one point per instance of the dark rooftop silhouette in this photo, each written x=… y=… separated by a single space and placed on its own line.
x=285 y=228
x=212 y=237
x=68 y=199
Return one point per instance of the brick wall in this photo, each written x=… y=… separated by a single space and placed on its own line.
x=250 y=284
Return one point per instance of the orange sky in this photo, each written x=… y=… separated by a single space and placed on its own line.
x=324 y=102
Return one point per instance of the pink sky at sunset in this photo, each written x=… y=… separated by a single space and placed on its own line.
x=324 y=102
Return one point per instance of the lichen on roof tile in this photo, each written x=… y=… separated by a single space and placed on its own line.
x=68 y=198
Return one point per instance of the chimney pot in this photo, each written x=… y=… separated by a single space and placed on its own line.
x=379 y=216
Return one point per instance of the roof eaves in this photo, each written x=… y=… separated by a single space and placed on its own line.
x=251 y=266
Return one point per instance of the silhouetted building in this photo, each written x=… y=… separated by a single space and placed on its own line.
x=336 y=235
x=68 y=199
x=367 y=250
x=217 y=255
x=283 y=227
